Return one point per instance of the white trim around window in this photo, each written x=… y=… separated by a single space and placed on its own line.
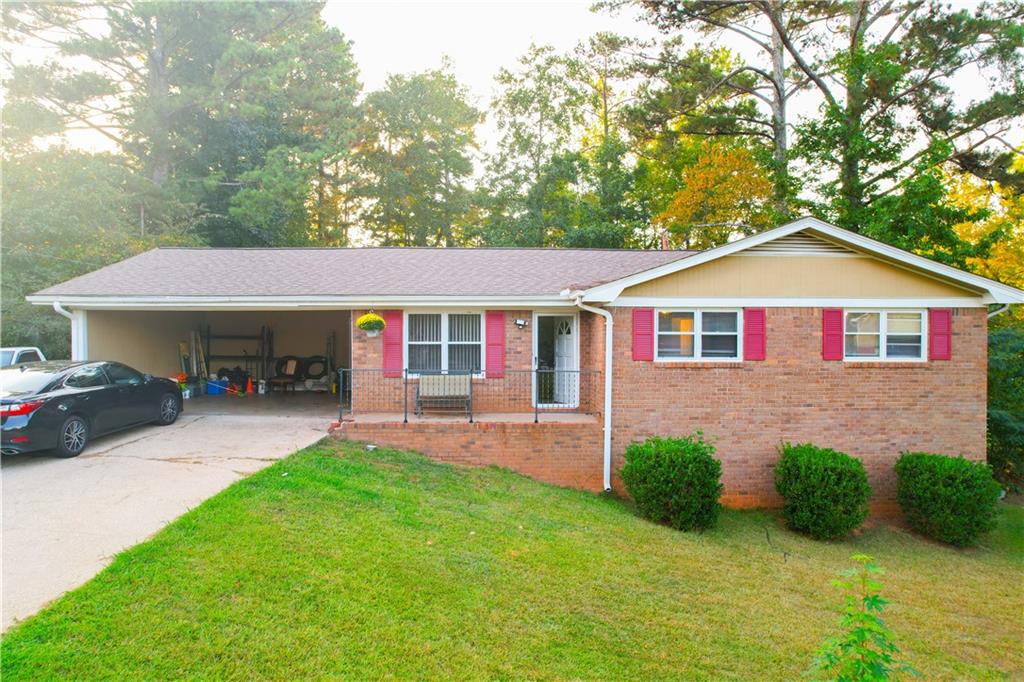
x=892 y=331
x=699 y=336
x=444 y=337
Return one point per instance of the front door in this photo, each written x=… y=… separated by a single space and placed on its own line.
x=557 y=379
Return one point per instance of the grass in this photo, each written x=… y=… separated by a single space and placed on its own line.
x=339 y=562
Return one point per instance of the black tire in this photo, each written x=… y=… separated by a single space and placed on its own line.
x=72 y=437
x=169 y=409
x=315 y=367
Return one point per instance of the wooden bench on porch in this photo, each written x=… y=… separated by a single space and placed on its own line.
x=444 y=392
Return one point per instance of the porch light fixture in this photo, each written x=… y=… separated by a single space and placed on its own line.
x=521 y=323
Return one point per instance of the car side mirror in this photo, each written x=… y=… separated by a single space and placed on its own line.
x=147 y=378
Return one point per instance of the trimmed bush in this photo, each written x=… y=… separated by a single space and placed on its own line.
x=825 y=492
x=675 y=481
x=950 y=499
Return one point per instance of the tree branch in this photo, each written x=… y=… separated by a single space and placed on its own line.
x=797 y=57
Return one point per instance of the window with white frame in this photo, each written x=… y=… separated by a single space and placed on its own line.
x=698 y=335
x=884 y=335
x=445 y=342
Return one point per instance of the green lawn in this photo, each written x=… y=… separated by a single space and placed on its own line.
x=339 y=562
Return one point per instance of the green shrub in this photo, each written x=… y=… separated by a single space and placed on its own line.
x=825 y=492
x=674 y=480
x=950 y=499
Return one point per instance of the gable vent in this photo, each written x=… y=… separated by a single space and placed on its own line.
x=798 y=244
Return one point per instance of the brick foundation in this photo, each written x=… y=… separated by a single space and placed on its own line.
x=566 y=454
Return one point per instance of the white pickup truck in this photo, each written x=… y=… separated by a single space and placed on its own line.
x=19 y=355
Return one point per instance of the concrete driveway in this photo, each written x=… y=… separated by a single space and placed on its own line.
x=65 y=519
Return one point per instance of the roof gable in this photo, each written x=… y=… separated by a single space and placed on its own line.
x=794 y=237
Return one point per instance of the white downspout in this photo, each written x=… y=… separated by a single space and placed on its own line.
x=608 y=328
x=79 y=331
x=999 y=311
x=60 y=309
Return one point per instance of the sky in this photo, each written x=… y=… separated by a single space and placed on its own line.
x=479 y=38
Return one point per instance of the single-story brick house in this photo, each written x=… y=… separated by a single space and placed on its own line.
x=554 y=360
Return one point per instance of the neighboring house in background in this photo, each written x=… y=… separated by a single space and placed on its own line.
x=803 y=333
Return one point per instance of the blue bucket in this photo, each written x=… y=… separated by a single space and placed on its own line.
x=216 y=386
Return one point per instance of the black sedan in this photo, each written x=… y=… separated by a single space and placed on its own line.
x=60 y=406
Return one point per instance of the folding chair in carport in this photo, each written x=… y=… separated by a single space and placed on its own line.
x=288 y=377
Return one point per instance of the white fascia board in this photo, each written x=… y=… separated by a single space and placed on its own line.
x=996 y=291
x=298 y=302
x=753 y=302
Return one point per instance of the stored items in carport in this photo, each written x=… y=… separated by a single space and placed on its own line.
x=238 y=378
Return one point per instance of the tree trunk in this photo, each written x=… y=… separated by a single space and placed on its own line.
x=159 y=162
x=321 y=204
x=537 y=209
x=780 y=140
x=851 y=188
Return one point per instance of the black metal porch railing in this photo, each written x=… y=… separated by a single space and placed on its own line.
x=416 y=394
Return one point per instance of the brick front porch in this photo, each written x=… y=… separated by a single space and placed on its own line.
x=563 y=449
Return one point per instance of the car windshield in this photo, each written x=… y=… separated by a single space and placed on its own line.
x=6 y=357
x=17 y=381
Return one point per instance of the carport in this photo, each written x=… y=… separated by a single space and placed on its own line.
x=204 y=312
x=150 y=340
x=256 y=342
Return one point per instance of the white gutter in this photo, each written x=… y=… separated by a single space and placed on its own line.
x=608 y=336
x=60 y=309
x=298 y=302
x=999 y=311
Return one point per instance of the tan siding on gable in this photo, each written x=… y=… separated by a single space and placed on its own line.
x=796 y=277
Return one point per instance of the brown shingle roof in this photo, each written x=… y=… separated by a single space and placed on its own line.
x=360 y=272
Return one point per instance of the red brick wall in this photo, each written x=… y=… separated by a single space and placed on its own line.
x=592 y=362
x=567 y=454
x=870 y=410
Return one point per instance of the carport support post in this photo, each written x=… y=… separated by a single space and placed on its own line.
x=79 y=335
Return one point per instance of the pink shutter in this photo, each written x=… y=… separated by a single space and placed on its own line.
x=832 y=334
x=643 y=334
x=940 y=334
x=495 y=329
x=392 y=343
x=754 y=334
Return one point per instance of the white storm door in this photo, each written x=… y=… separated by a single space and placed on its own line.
x=565 y=361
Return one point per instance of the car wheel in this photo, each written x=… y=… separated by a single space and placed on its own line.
x=74 y=434
x=168 y=410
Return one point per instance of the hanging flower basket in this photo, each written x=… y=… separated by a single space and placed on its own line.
x=371 y=323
